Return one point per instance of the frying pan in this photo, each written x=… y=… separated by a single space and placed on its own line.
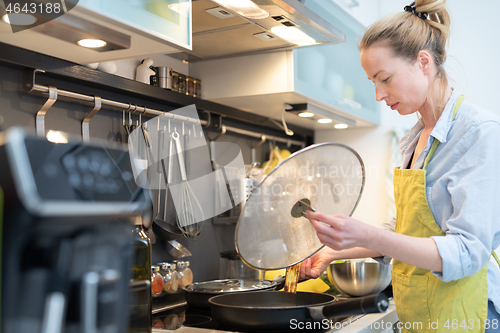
x=276 y=311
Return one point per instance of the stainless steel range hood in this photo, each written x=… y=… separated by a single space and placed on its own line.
x=220 y=31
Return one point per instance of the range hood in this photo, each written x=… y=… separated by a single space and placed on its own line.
x=220 y=31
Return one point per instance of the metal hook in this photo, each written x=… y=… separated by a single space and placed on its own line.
x=223 y=131
x=127 y=126
x=252 y=151
x=88 y=117
x=123 y=114
x=40 y=115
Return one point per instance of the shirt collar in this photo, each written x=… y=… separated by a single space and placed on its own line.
x=443 y=125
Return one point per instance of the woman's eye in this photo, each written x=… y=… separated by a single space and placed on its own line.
x=385 y=81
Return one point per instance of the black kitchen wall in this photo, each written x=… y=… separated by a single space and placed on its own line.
x=19 y=108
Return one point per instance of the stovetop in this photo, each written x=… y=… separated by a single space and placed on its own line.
x=178 y=316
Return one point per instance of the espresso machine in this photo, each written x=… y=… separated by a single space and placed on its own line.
x=67 y=254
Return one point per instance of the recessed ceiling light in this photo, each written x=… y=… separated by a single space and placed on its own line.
x=245 y=8
x=306 y=114
x=19 y=19
x=340 y=126
x=293 y=35
x=324 y=121
x=91 y=43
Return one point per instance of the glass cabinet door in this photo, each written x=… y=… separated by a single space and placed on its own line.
x=170 y=20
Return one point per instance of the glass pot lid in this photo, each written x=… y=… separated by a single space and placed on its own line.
x=270 y=234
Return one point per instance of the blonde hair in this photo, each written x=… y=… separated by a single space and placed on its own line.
x=406 y=34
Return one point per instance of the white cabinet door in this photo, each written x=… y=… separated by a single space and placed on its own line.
x=170 y=20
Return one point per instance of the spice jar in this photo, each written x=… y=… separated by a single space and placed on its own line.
x=175 y=81
x=156 y=281
x=170 y=277
x=182 y=84
x=189 y=86
x=185 y=273
x=197 y=88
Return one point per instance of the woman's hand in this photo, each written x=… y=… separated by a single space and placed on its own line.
x=344 y=238
x=312 y=267
x=339 y=232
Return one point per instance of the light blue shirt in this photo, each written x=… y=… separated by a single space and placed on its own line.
x=463 y=189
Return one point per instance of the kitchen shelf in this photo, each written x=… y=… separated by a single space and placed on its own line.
x=91 y=80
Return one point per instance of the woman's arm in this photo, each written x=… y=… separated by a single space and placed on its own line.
x=347 y=235
x=312 y=267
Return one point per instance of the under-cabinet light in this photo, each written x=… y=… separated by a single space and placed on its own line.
x=19 y=19
x=293 y=35
x=91 y=43
x=245 y=8
x=324 y=121
x=57 y=137
x=340 y=126
x=306 y=114
x=181 y=7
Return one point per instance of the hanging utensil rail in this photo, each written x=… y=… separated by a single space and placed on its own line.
x=117 y=105
x=31 y=86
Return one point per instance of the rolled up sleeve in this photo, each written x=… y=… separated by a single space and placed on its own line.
x=473 y=183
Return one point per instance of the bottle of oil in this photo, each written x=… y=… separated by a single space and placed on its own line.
x=141 y=300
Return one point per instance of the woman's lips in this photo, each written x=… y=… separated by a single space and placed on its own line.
x=394 y=106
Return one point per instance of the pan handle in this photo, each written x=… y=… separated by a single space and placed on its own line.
x=359 y=305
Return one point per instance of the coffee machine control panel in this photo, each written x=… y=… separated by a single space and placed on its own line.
x=72 y=178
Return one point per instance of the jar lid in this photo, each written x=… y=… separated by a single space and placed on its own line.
x=155 y=268
x=182 y=264
x=166 y=266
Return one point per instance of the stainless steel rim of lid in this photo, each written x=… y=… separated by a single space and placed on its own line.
x=246 y=233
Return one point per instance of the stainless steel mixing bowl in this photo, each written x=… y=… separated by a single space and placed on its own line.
x=359 y=278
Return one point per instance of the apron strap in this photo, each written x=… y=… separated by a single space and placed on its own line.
x=436 y=142
x=496 y=257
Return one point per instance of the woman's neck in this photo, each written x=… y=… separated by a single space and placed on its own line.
x=432 y=111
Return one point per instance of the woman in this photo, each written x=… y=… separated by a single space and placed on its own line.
x=448 y=209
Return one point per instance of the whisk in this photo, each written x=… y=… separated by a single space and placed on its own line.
x=190 y=207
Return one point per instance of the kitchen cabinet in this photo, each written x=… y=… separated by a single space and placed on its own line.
x=136 y=28
x=168 y=20
x=329 y=78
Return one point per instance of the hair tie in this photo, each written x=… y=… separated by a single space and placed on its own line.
x=412 y=8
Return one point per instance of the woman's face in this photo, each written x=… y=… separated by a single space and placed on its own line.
x=401 y=84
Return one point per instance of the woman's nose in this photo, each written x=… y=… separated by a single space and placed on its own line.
x=380 y=94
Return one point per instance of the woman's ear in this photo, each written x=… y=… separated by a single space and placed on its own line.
x=425 y=62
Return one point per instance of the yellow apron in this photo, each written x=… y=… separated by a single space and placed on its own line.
x=423 y=302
